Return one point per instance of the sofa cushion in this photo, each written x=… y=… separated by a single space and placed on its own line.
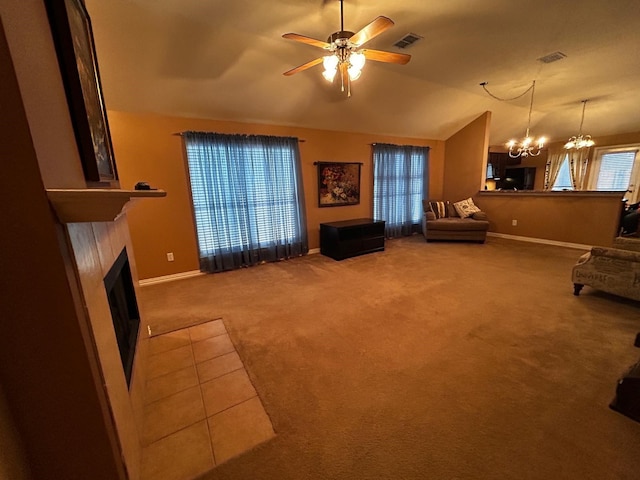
x=466 y=207
x=440 y=209
x=457 y=224
x=479 y=216
x=453 y=213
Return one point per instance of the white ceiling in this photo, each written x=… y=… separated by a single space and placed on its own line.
x=224 y=59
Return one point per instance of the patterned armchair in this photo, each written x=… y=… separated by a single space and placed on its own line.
x=611 y=270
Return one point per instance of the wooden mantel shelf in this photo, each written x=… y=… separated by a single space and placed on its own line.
x=94 y=204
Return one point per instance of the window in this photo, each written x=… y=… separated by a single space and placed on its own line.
x=399 y=186
x=563 y=180
x=490 y=171
x=247 y=199
x=615 y=169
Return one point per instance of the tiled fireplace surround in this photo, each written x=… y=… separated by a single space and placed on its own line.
x=95 y=246
x=163 y=373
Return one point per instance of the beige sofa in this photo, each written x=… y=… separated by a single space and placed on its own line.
x=612 y=270
x=452 y=227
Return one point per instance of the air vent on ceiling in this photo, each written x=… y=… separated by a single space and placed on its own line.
x=552 y=57
x=408 y=40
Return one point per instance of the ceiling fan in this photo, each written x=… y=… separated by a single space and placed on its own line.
x=344 y=53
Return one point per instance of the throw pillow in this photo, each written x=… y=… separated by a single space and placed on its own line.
x=439 y=209
x=466 y=208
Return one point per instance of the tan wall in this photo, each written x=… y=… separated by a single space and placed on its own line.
x=466 y=160
x=36 y=66
x=13 y=462
x=146 y=149
x=59 y=361
x=572 y=217
x=45 y=368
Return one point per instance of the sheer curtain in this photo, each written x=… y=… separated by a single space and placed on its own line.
x=554 y=162
x=578 y=168
x=400 y=183
x=248 y=199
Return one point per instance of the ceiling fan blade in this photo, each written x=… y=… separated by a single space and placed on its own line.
x=387 y=57
x=374 y=29
x=307 y=40
x=310 y=64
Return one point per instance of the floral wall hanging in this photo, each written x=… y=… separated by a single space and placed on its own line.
x=338 y=184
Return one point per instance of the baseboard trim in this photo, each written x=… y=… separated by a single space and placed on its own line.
x=192 y=273
x=170 y=278
x=578 y=246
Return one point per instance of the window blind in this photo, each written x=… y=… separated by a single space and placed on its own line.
x=615 y=170
x=247 y=198
x=399 y=186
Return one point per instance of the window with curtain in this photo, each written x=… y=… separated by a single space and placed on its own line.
x=563 y=180
x=248 y=199
x=400 y=183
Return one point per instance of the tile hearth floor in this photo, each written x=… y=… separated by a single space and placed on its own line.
x=200 y=405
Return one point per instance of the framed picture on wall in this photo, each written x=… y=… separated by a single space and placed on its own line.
x=73 y=39
x=338 y=184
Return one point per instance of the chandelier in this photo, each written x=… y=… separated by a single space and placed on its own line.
x=580 y=141
x=528 y=146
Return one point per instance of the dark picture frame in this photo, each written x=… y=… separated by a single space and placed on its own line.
x=338 y=184
x=73 y=39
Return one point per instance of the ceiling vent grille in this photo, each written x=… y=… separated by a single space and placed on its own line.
x=552 y=57
x=408 y=40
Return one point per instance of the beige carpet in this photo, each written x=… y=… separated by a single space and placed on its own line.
x=425 y=361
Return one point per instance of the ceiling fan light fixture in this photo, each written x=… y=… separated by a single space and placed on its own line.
x=357 y=60
x=330 y=62
x=329 y=75
x=342 y=48
x=354 y=73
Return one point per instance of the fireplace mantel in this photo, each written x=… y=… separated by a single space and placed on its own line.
x=94 y=204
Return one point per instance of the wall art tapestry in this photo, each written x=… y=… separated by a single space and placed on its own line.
x=338 y=184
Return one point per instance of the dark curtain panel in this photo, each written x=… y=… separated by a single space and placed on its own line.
x=400 y=184
x=248 y=199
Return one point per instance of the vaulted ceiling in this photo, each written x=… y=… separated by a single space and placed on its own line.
x=224 y=59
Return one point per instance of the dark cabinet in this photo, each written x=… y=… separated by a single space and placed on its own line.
x=340 y=240
x=500 y=161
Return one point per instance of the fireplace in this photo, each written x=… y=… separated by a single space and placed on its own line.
x=124 y=310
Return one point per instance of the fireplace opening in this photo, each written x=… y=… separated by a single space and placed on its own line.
x=124 y=310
